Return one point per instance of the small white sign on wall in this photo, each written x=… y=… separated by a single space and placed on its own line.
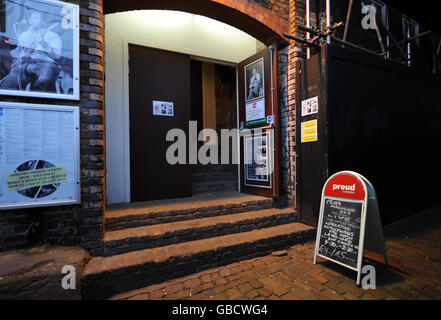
x=255 y=110
x=163 y=108
x=310 y=106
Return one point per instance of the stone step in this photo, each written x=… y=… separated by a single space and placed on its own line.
x=126 y=240
x=214 y=168
x=104 y=277
x=202 y=206
x=214 y=176
x=214 y=186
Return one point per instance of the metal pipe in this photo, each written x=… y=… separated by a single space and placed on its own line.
x=356 y=47
x=349 y=44
x=272 y=80
x=348 y=18
x=328 y=19
x=380 y=39
x=303 y=28
x=309 y=43
x=308 y=25
x=415 y=37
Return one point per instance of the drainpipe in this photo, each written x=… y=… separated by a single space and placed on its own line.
x=328 y=19
x=308 y=25
x=273 y=151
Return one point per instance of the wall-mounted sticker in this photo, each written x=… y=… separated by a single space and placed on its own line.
x=310 y=106
x=163 y=108
x=309 y=132
x=269 y=119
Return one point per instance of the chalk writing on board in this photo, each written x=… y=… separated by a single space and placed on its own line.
x=340 y=233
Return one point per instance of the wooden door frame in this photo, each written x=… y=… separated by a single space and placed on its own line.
x=273 y=100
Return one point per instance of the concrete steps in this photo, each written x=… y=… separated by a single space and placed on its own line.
x=165 y=211
x=152 y=242
x=214 y=178
x=104 y=277
x=121 y=241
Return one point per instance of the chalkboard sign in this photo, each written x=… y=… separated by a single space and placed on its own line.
x=348 y=212
x=340 y=232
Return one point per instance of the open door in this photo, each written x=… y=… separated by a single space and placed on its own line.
x=259 y=124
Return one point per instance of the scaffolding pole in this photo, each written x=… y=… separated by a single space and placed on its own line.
x=328 y=19
x=308 y=25
x=348 y=18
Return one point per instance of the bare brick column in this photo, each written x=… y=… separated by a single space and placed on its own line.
x=296 y=15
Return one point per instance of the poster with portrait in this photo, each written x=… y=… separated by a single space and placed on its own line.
x=255 y=93
x=254 y=80
x=39 y=49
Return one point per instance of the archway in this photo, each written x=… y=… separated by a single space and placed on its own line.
x=247 y=16
x=124 y=26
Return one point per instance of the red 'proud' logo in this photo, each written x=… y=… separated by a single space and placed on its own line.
x=345 y=186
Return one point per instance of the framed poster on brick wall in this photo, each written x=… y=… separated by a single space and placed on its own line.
x=39 y=155
x=39 y=49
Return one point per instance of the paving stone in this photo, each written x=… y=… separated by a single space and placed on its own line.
x=252 y=294
x=192 y=283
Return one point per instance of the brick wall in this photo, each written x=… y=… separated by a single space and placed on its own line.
x=79 y=225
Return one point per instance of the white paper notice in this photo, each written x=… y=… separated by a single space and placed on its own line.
x=163 y=108
x=255 y=110
x=310 y=106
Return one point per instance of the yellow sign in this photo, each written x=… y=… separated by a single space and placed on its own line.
x=35 y=178
x=309 y=132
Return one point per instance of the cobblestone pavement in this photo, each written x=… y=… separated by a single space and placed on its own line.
x=414 y=272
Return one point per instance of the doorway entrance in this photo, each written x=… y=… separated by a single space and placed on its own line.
x=167 y=85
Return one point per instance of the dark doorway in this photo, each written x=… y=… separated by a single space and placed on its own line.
x=214 y=104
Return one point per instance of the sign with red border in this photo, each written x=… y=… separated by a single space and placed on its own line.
x=345 y=186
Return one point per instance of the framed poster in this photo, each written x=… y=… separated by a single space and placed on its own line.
x=257 y=157
x=40 y=49
x=39 y=155
x=255 y=93
x=254 y=80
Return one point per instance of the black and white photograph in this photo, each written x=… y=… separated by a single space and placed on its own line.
x=39 y=49
x=254 y=80
x=40 y=191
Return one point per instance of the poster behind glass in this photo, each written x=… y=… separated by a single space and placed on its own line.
x=258 y=166
x=39 y=49
x=39 y=155
x=255 y=93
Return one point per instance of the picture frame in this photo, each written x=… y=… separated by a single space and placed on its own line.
x=255 y=80
x=258 y=164
x=39 y=155
x=39 y=50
